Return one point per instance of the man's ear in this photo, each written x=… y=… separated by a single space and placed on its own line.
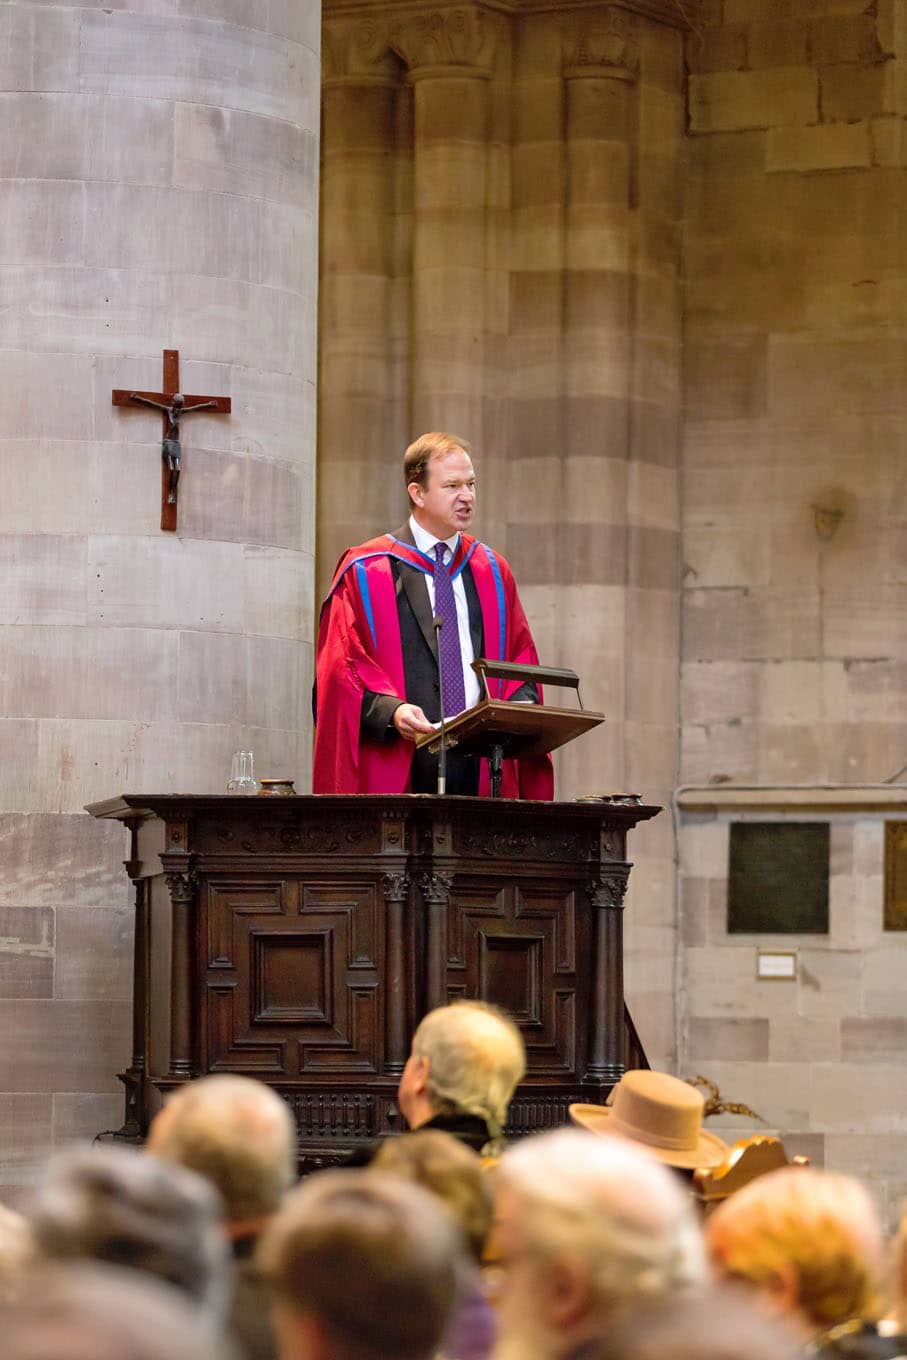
x=299 y=1335
x=416 y=493
x=420 y=1075
x=566 y=1297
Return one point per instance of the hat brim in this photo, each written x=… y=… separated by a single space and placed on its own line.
x=710 y=1150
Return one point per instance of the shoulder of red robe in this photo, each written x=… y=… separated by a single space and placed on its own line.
x=386 y=545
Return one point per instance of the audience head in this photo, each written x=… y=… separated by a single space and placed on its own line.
x=808 y=1240
x=235 y=1132
x=586 y=1226
x=450 y=1171
x=88 y=1311
x=466 y=1059
x=709 y=1324
x=114 y=1204
x=362 y=1266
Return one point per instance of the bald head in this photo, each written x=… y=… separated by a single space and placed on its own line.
x=235 y=1132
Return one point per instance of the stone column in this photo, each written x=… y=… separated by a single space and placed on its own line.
x=158 y=187
x=601 y=58
x=449 y=53
x=362 y=421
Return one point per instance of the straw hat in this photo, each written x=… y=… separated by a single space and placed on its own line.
x=661 y=1112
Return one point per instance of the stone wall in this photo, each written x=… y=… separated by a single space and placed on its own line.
x=794 y=626
x=501 y=257
x=158 y=188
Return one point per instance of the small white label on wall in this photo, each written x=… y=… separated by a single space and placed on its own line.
x=780 y=965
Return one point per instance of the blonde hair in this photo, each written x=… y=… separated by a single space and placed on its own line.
x=475 y=1059
x=821 y=1223
x=423 y=450
x=451 y=1171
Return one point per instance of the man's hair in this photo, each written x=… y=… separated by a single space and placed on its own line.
x=87 y=1311
x=476 y=1057
x=821 y=1223
x=710 y=1324
x=373 y=1259
x=127 y=1208
x=422 y=450
x=450 y=1171
x=610 y=1205
x=235 y=1132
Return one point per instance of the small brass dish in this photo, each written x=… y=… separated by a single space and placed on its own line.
x=276 y=788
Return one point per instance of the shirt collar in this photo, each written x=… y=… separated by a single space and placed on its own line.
x=425 y=541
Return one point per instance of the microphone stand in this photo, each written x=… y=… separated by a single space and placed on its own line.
x=438 y=623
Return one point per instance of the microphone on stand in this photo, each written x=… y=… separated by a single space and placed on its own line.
x=438 y=623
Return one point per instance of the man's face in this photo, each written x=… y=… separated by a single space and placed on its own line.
x=411 y=1091
x=446 y=504
x=523 y=1331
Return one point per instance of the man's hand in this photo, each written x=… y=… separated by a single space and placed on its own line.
x=411 y=722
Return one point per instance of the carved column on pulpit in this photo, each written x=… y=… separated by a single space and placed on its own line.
x=606 y=1034
x=436 y=897
x=134 y=1077
x=179 y=875
x=396 y=1028
x=449 y=52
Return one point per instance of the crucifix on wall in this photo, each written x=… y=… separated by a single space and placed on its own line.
x=174 y=406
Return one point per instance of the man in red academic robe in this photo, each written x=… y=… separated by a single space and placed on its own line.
x=377 y=663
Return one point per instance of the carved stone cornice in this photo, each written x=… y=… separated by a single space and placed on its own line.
x=461 y=38
x=603 y=43
x=355 y=51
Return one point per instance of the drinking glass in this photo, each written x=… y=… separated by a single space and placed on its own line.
x=242 y=773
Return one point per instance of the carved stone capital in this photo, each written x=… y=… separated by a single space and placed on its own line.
x=609 y=889
x=355 y=51
x=444 y=38
x=601 y=43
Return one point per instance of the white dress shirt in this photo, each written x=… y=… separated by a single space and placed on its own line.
x=425 y=542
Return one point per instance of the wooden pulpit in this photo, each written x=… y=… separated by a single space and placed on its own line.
x=300 y=940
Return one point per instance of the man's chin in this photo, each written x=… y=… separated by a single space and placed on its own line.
x=523 y=1341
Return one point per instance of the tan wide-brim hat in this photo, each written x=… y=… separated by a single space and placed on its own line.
x=661 y=1112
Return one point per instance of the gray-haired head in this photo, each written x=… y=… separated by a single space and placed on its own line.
x=89 y=1311
x=124 y=1207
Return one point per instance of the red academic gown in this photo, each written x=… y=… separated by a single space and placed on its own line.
x=359 y=649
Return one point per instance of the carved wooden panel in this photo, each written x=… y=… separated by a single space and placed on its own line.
x=514 y=945
x=303 y=960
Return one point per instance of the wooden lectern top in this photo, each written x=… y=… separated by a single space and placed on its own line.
x=520 y=730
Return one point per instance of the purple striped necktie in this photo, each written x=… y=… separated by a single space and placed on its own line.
x=450 y=658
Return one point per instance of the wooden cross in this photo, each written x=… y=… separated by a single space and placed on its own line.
x=173 y=406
